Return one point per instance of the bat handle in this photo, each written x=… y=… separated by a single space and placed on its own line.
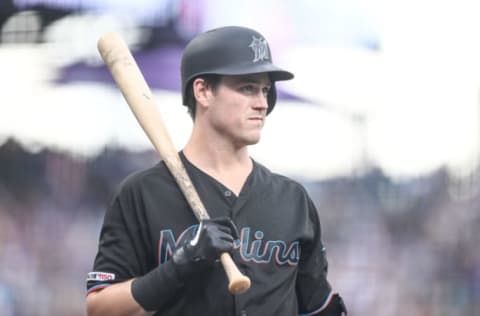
x=238 y=283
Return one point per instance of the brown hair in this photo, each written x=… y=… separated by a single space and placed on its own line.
x=211 y=81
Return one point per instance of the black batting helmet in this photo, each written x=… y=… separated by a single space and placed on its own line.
x=230 y=50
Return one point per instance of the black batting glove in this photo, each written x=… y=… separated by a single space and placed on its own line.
x=155 y=289
x=213 y=237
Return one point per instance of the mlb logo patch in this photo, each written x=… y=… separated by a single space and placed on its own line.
x=100 y=276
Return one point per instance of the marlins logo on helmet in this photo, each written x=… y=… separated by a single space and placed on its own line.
x=260 y=49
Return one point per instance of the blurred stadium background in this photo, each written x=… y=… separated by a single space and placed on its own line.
x=381 y=124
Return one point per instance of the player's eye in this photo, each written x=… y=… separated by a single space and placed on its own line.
x=248 y=89
x=265 y=91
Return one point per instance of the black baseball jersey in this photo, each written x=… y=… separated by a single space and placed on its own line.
x=279 y=248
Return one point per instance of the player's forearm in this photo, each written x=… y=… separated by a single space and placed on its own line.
x=115 y=300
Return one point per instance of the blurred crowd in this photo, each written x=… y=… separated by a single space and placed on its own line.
x=395 y=247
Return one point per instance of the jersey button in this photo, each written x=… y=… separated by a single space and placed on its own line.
x=227 y=193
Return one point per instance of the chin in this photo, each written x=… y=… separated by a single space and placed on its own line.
x=253 y=140
x=246 y=139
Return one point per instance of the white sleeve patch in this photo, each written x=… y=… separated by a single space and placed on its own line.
x=100 y=276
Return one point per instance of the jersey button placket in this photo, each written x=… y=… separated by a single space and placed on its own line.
x=240 y=305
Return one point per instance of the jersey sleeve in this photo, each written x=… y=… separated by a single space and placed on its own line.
x=313 y=289
x=120 y=244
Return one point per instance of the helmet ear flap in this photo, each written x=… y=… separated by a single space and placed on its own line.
x=271 y=98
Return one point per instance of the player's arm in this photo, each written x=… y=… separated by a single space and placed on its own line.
x=156 y=289
x=116 y=299
x=314 y=292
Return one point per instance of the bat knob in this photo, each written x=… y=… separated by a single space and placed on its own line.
x=239 y=285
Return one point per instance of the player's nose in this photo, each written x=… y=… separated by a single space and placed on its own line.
x=260 y=103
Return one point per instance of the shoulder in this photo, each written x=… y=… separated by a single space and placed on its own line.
x=285 y=191
x=278 y=181
x=286 y=194
x=157 y=176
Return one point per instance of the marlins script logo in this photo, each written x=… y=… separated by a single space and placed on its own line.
x=260 y=49
x=252 y=247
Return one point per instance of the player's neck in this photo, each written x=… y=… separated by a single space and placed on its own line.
x=215 y=157
x=222 y=161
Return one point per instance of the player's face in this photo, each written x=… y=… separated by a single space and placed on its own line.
x=239 y=107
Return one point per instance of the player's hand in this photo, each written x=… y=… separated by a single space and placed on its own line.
x=213 y=237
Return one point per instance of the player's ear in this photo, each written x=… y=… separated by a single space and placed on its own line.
x=201 y=92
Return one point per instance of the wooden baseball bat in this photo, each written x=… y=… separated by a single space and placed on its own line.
x=132 y=84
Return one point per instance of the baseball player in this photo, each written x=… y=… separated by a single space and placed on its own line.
x=155 y=258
